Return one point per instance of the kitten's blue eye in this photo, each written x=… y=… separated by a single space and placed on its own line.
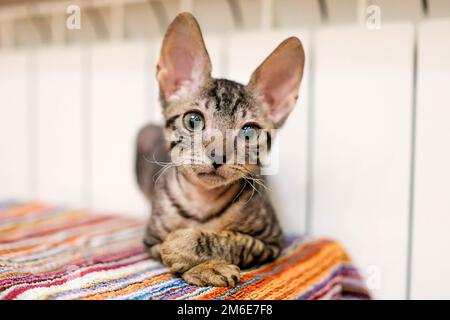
x=248 y=133
x=194 y=121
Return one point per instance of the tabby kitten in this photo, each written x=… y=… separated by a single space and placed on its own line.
x=207 y=221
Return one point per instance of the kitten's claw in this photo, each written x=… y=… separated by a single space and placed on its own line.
x=213 y=273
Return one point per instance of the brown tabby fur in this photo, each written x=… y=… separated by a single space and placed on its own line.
x=205 y=226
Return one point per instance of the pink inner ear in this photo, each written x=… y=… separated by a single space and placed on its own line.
x=279 y=92
x=182 y=70
x=177 y=71
x=277 y=79
x=182 y=63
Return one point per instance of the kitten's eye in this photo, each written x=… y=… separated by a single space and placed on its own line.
x=194 y=121
x=248 y=133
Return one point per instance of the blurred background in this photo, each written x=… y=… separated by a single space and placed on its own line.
x=364 y=158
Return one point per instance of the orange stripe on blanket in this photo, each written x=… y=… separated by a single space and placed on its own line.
x=23 y=209
x=292 y=279
x=131 y=288
x=302 y=277
x=39 y=224
x=306 y=251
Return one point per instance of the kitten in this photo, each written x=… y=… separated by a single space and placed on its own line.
x=207 y=221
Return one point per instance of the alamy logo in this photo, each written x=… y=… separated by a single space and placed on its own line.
x=373 y=277
x=373 y=21
x=73 y=21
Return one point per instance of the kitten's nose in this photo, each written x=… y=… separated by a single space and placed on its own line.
x=217 y=160
x=216 y=165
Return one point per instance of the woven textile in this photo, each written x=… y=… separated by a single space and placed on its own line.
x=49 y=252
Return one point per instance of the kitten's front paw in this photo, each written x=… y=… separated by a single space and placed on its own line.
x=178 y=250
x=213 y=273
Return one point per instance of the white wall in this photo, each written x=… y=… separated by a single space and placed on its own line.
x=431 y=239
x=120 y=94
x=59 y=122
x=16 y=125
x=362 y=127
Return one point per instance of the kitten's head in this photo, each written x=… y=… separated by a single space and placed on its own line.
x=216 y=130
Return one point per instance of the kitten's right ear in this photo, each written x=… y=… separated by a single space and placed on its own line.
x=184 y=65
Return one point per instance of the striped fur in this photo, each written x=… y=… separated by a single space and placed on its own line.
x=49 y=252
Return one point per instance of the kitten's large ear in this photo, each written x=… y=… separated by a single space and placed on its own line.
x=184 y=64
x=277 y=79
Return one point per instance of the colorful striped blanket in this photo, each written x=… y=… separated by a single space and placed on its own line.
x=48 y=252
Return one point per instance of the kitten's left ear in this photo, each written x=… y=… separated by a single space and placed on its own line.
x=277 y=79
